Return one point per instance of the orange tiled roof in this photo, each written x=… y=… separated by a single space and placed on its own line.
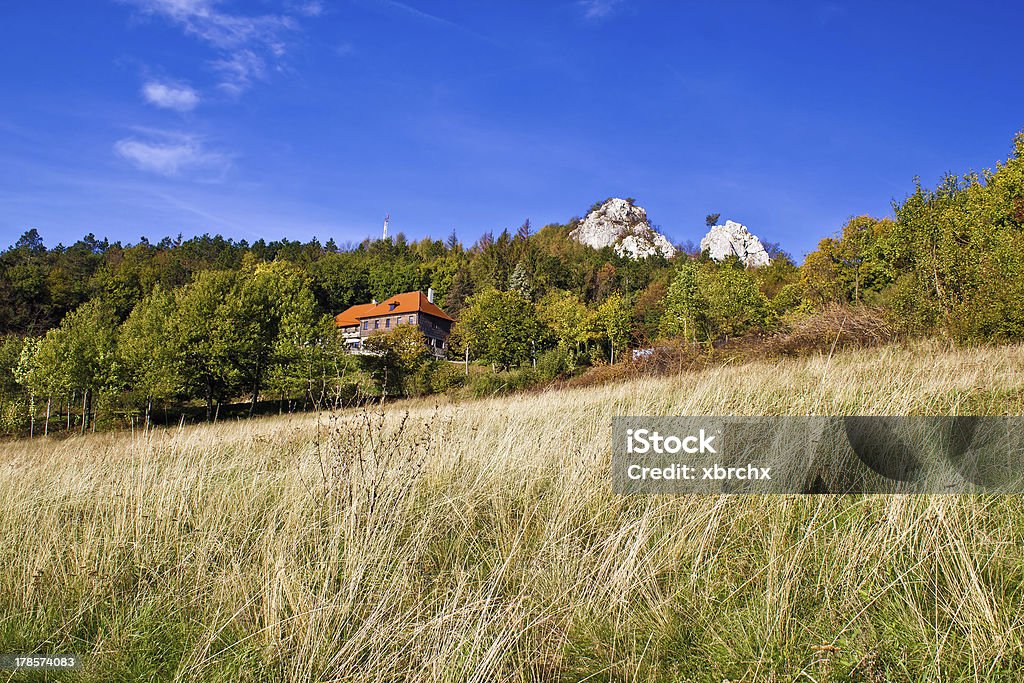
x=410 y=302
x=350 y=316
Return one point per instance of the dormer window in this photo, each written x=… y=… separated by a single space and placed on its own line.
x=392 y=306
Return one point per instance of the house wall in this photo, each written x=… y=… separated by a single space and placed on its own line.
x=371 y=325
x=435 y=329
x=350 y=336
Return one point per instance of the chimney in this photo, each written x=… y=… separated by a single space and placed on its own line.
x=430 y=294
x=373 y=301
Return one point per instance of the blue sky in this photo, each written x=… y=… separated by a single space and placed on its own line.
x=301 y=118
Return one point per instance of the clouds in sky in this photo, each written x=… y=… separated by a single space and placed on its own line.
x=245 y=43
x=172 y=155
x=314 y=8
x=243 y=48
x=202 y=19
x=595 y=10
x=174 y=96
x=238 y=70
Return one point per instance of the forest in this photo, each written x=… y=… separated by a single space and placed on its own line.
x=107 y=333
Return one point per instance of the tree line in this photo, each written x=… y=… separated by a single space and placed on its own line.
x=109 y=328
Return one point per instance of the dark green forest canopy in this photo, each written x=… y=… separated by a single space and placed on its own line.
x=39 y=286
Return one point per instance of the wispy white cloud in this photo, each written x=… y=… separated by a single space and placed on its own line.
x=245 y=42
x=238 y=70
x=427 y=17
x=595 y=10
x=202 y=19
x=176 y=96
x=313 y=8
x=172 y=155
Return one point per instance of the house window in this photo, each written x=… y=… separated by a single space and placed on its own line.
x=387 y=323
x=366 y=324
x=376 y=324
x=410 y=320
x=392 y=306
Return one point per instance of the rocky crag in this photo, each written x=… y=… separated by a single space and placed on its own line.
x=733 y=239
x=622 y=225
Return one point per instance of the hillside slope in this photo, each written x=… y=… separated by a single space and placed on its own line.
x=480 y=541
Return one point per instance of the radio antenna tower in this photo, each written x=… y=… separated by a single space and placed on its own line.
x=386 y=219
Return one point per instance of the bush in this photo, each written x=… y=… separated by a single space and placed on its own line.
x=497 y=383
x=910 y=313
x=668 y=357
x=13 y=417
x=446 y=376
x=834 y=326
x=418 y=383
x=792 y=296
x=553 y=363
x=435 y=377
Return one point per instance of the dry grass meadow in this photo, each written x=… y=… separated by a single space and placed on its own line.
x=481 y=542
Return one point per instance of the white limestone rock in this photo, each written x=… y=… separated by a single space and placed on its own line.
x=733 y=239
x=624 y=227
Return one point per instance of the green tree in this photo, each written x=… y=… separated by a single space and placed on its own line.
x=13 y=401
x=498 y=327
x=735 y=303
x=686 y=308
x=821 y=273
x=393 y=356
x=268 y=317
x=569 y=321
x=615 y=318
x=520 y=281
x=25 y=302
x=708 y=301
x=152 y=362
x=311 y=362
x=339 y=281
x=82 y=354
x=200 y=334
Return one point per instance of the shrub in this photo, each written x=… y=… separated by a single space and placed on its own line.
x=418 y=383
x=834 y=326
x=13 y=417
x=909 y=312
x=497 y=383
x=446 y=376
x=792 y=296
x=553 y=363
x=670 y=356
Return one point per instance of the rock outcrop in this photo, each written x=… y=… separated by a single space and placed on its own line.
x=733 y=239
x=623 y=226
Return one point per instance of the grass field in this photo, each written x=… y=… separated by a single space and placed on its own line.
x=481 y=542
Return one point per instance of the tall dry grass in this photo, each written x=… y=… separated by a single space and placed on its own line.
x=481 y=542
